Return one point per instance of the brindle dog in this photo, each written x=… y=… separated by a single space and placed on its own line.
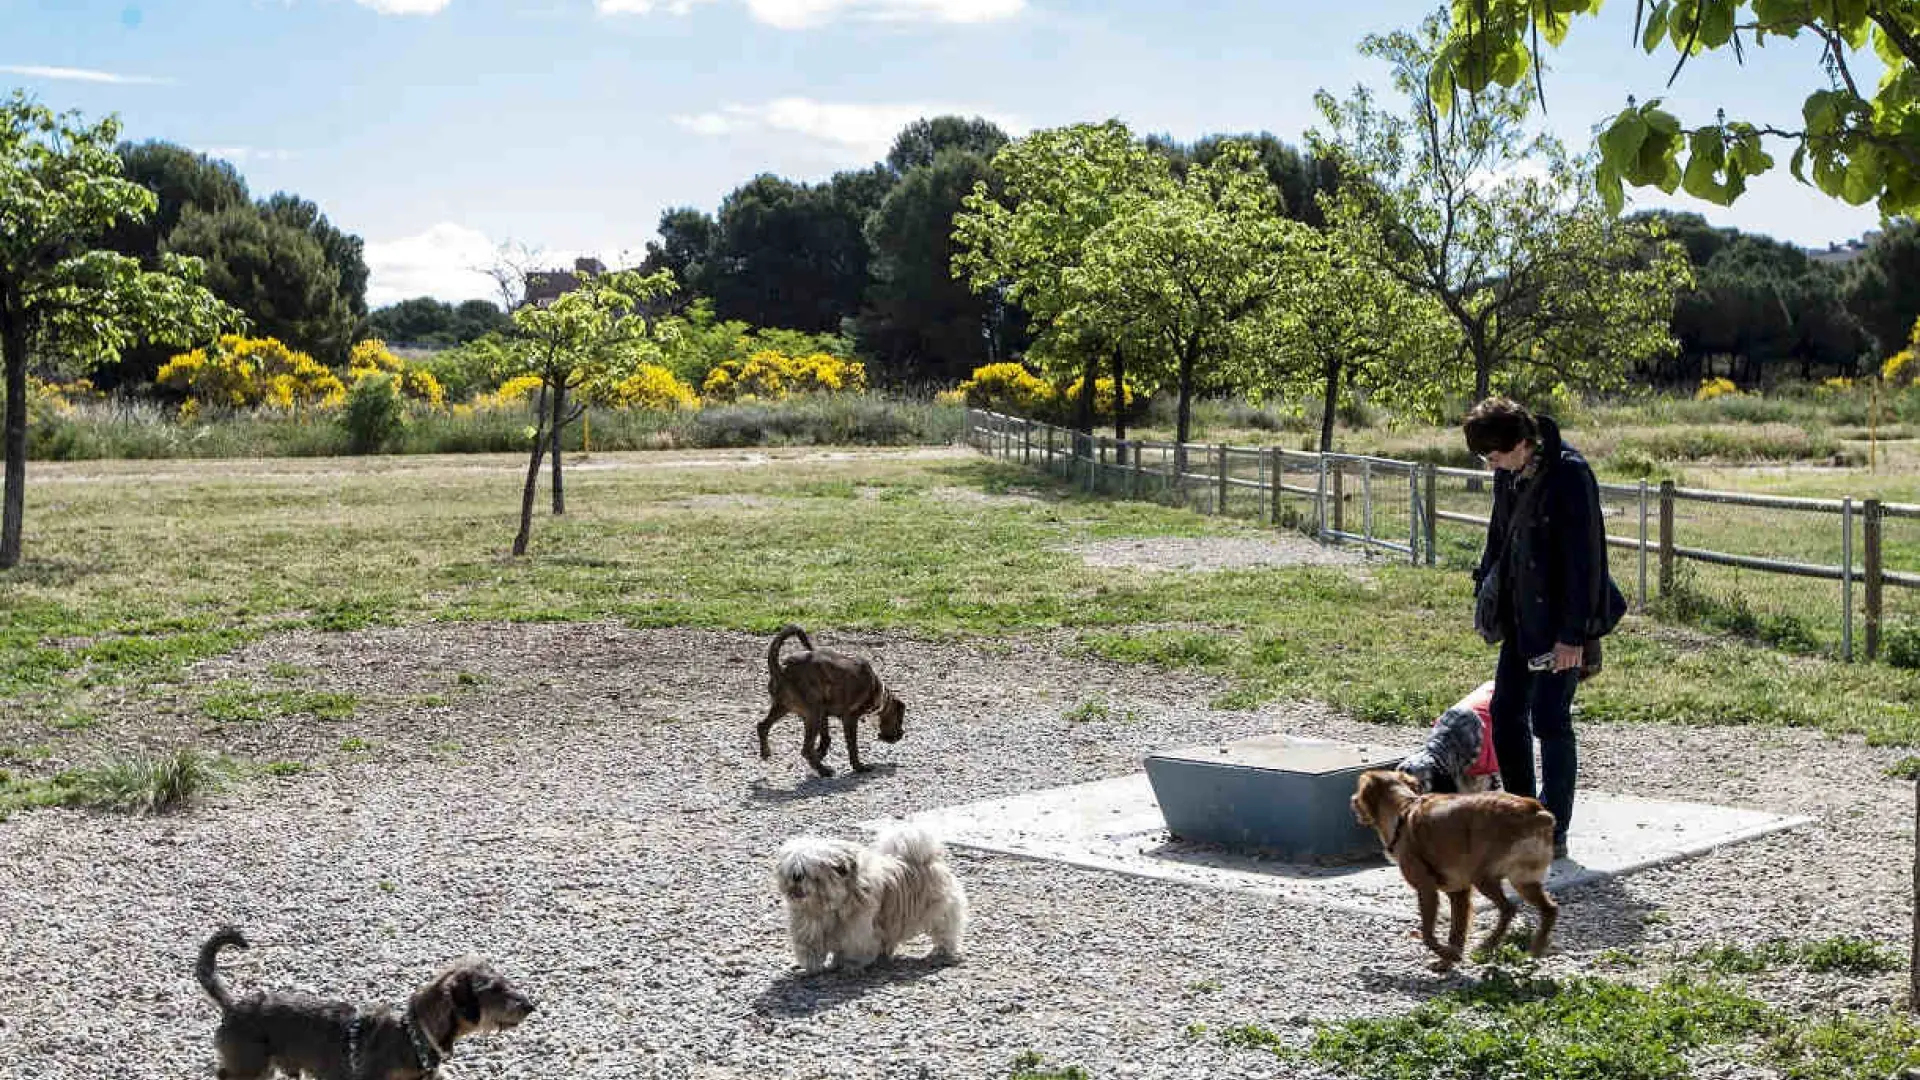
x=331 y=1040
x=817 y=683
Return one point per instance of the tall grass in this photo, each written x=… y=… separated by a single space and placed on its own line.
x=128 y=784
x=97 y=431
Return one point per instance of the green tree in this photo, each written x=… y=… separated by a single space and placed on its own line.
x=1862 y=142
x=276 y=272
x=920 y=142
x=591 y=334
x=426 y=321
x=1343 y=326
x=344 y=251
x=1299 y=176
x=685 y=248
x=1193 y=271
x=179 y=178
x=794 y=255
x=921 y=323
x=1498 y=226
x=1882 y=286
x=1023 y=242
x=64 y=299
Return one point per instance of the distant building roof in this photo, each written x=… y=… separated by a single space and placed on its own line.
x=546 y=286
x=1836 y=254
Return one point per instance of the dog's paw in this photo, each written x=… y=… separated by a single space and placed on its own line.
x=862 y=767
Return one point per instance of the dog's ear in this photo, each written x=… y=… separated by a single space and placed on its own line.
x=466 y=1003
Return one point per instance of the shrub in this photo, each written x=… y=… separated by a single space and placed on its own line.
x=1008 y=388
x=1714 y=388
x=371 y=357
x=374 y=415
x=242 y=372
x=771 y=375
x=1069 y=399
x=649 y=387
x=1900 y=643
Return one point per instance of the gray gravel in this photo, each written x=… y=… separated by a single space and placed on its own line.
x=585 y=809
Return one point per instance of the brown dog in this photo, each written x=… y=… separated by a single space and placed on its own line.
x=1454 y=844
x=817 y=683
x=332 y=1040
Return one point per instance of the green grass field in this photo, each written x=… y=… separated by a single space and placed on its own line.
x=136 y=569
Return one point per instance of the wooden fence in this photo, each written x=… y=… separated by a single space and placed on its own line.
x=1397 y=506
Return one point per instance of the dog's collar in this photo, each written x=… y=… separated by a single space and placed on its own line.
x=424 y=1051
x=1400 y=822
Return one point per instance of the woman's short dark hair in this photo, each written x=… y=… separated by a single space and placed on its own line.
x=1497 y=425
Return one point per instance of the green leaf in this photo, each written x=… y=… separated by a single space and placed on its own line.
x=1607 y=179
x=1863 y=179
x=1620 y=142
x=1797 y=164
x=1655 y=28
x=1511 y=66
x=1660 y=120
x=1716 y=23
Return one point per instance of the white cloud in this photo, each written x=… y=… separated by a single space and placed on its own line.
x=861 y=133
x=802 y=14
x=644 y=7
x=439 y=263
x=805 y=14
x=79 y=75
x=404 y=7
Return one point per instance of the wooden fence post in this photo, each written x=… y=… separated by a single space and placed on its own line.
x=1274 y=467
x=1666 y=538
x=1433 y=510
x=1220 y=503
x=1339 y=498
x=1870 y=539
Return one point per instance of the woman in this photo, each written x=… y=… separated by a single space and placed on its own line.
x=1543 y=593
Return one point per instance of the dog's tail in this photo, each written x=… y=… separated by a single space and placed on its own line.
x=205 y=972
x=779 y=639
x=912 y=845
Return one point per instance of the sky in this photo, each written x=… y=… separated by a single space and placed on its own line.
x=437 y=130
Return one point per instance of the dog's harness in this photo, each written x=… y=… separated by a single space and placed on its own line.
x=426 y=1055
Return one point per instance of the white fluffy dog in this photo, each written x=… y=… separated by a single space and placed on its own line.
x=849 y=905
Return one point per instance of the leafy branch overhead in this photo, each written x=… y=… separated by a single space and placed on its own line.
x=1854 y=140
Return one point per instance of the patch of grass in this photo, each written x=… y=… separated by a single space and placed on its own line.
x=1530 y=1028
x=354 y=744
x=243 y=705
x=468 y=678
x=1852 y=955
x=1253 y=1037
x=151 y=785
x=1098 y=709
x=1204 y=986
x=1847 y=1047
x=279 y=670
x=75 y=720
x=284 y=768
x=1167 y=648
x=1032 y=1065
x=1907 y=768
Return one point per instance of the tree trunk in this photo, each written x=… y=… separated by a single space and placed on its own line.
x=1119 y=394
x=1329 y=405
x=559 y=412
x=1482 y=378
x=14 y=346
x=1183 y=426
x=533 y=480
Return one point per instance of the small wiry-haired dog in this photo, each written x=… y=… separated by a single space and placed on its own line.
x=849 y=905
x=817 y=683
x=1455 y=844
x=304 y=1035
x=1458 y=756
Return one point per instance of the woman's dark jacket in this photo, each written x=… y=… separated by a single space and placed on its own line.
x=1554 y=579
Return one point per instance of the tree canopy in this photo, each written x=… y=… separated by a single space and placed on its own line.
x=64 y=298
x=1861 y=142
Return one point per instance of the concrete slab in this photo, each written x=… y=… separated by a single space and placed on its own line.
x=1116 y=825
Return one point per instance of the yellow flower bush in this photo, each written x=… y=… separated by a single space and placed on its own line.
x=1102 y=396
x=649 y=387
x=1903 y=367
x=1837 y=386
x=955 y=396
x=514 y=392
x=1715 y=387
x=241 y=372
x=1010 y=388
x=372 y=357
x=773 y=375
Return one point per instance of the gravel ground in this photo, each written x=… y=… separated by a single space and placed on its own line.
x=581 y=804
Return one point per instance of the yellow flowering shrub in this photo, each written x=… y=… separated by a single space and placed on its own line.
x=769 y=374
x=1715 y=387
x=1903 y=367
x=514 y=392
x=240 y=372
x=955 y=396
x=649 y=387
x=1010 y=388
x=1102 y=396
x=1834 y=387
x=372 y=357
